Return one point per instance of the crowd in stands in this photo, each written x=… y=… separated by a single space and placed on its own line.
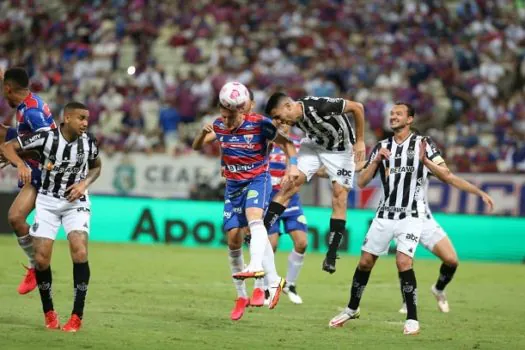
x=150 y=71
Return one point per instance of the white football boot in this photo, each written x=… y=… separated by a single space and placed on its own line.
x=411 y=327
x=345 y=315
x=291 y=291
x=441 y=298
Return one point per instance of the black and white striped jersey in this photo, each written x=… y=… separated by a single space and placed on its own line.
x=326 y=124
x=62 y=163
x=404 y=177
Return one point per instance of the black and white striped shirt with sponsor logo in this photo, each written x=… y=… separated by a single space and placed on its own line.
x=62 y=163
x=403 y=177
x=326 y=124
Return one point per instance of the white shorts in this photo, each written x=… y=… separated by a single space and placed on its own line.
x=432 y=233
x=52 y=212
x=340 y=166
x=405 y=231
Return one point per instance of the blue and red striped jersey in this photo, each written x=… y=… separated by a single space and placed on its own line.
x=278 y=162
x=244 y=150
x=33 y=115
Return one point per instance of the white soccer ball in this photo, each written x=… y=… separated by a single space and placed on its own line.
x=234 y=96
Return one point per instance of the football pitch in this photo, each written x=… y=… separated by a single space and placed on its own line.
x=160 y=297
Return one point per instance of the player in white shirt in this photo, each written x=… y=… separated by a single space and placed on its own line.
x=69 y=162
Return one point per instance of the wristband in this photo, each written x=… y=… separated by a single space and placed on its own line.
x=293 y=160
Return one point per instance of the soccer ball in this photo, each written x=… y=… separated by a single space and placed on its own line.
x=234 y=96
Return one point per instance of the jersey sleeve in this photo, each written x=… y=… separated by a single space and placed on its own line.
x=372 y=155
x=93 y=148
x=433 y=152
x=36 y=120
x=33 y=140
x=327 y=105
x=268 y=130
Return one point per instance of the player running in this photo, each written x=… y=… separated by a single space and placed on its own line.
x=70 y=163
x=329 y=142
x=244 y=140
x=435 y=239
x=403 y=172
x=32 y=115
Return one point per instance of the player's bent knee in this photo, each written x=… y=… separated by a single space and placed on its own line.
x=17 y=221
x=451 y=261
x=235 y=239
x=42 y=260
x=300 y=246
x=403 y=262
x=79 y=254
x=366 y=262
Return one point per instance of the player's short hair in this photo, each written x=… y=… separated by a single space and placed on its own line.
x=250 y=92
x=274 y=101
x=74 y=105
x=17 y=76
x=411 y=111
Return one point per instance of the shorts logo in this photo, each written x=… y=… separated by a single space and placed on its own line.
x=344 y=172
x=302 y=219
x=252 y=194
x=34 y=227
x=85 y=225
x=227 y=214
x=411 y=237
x=365 y=241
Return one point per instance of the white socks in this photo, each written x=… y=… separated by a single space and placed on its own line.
x=237 y=265
x=258 y=243
x=269 y=265
x=295 y=263
x=26 y=243
x=259 y=283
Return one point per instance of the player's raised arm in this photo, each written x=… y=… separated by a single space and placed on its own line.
x=207 y=135
x=372 y=165
x=358 y=110
x=442 y=172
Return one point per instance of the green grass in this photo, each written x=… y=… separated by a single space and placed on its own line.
x=158 y=297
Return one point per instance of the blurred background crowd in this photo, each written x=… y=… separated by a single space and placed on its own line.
x=150 y=71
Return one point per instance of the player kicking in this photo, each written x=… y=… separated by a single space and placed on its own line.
x=32 y=115
x=329 y=142
x=399 y=161
x=70 y=163
x=294 y=223
x=435 y=239
x=244 y=140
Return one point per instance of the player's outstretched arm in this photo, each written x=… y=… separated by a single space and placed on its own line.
x=443 y=173
x=358 y=110
x=207 y=135
x=9 y=151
